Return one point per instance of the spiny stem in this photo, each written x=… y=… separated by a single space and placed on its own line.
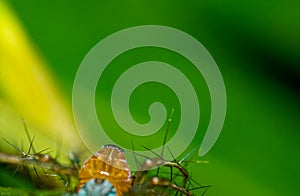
x=31 y=160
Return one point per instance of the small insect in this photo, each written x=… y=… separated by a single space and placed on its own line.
x=110 y=164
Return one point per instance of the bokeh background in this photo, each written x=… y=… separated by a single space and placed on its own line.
x=255 y=44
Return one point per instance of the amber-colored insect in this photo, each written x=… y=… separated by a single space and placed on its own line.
x=110 y=164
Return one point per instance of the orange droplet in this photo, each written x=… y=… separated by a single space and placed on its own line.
x=110 y=164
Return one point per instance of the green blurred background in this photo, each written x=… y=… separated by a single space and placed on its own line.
x=257 y=48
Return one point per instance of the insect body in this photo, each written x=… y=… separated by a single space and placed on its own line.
x=110 y=164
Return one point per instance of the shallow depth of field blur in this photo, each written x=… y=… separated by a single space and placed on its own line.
x=255 y=44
